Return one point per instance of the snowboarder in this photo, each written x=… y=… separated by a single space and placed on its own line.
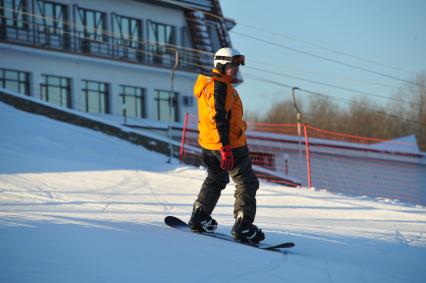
x=224 y=149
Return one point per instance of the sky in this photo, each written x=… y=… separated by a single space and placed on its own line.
x=390 y=33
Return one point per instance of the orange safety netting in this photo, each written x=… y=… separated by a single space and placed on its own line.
x=299 y=154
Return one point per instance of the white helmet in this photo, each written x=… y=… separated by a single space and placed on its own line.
x=228 y=55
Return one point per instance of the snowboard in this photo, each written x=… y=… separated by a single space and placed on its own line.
x=175 y=222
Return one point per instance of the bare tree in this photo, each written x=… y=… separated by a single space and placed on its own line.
x=414 y=111
x=323 y=113
x=283 y=112
x=364 y=117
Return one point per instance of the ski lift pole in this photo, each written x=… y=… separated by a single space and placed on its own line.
x=172 y=102
x=298 y=116
x=174 y=69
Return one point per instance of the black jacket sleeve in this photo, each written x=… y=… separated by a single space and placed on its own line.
x=221 y=118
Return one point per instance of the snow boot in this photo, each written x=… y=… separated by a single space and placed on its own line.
x=200 y=221
x=244 y=231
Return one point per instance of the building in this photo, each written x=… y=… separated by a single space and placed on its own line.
x=140 y=57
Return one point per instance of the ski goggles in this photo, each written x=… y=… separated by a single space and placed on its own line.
x=238 y=60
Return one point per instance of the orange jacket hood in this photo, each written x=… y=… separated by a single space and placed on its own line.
x=200 y=85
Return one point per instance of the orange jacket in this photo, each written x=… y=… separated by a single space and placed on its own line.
x=220 y=112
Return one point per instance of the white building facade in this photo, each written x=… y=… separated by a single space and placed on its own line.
x=110 y=56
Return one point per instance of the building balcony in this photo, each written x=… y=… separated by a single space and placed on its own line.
x=102 y=44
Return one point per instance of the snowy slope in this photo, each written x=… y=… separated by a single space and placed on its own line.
x=80 y=206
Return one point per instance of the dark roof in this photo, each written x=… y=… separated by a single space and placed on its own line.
x=209 y=6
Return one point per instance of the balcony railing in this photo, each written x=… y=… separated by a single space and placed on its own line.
x=105 y=45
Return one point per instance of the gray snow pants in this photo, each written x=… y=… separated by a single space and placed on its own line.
x=242 y=174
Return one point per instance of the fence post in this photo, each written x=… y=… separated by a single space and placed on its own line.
x=308 y=157
x=182 y=143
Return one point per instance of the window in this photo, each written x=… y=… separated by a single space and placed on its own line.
x=56 y=90
x=167 y=106
x=214 y=35
x=127 y=37
x=95 y=97
x=17 y=81
x=187 y=58
x=134 y=99
x=51 y=26
x=188 y=100
x=160 y=35
x=90 y=26
x=14 y=13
